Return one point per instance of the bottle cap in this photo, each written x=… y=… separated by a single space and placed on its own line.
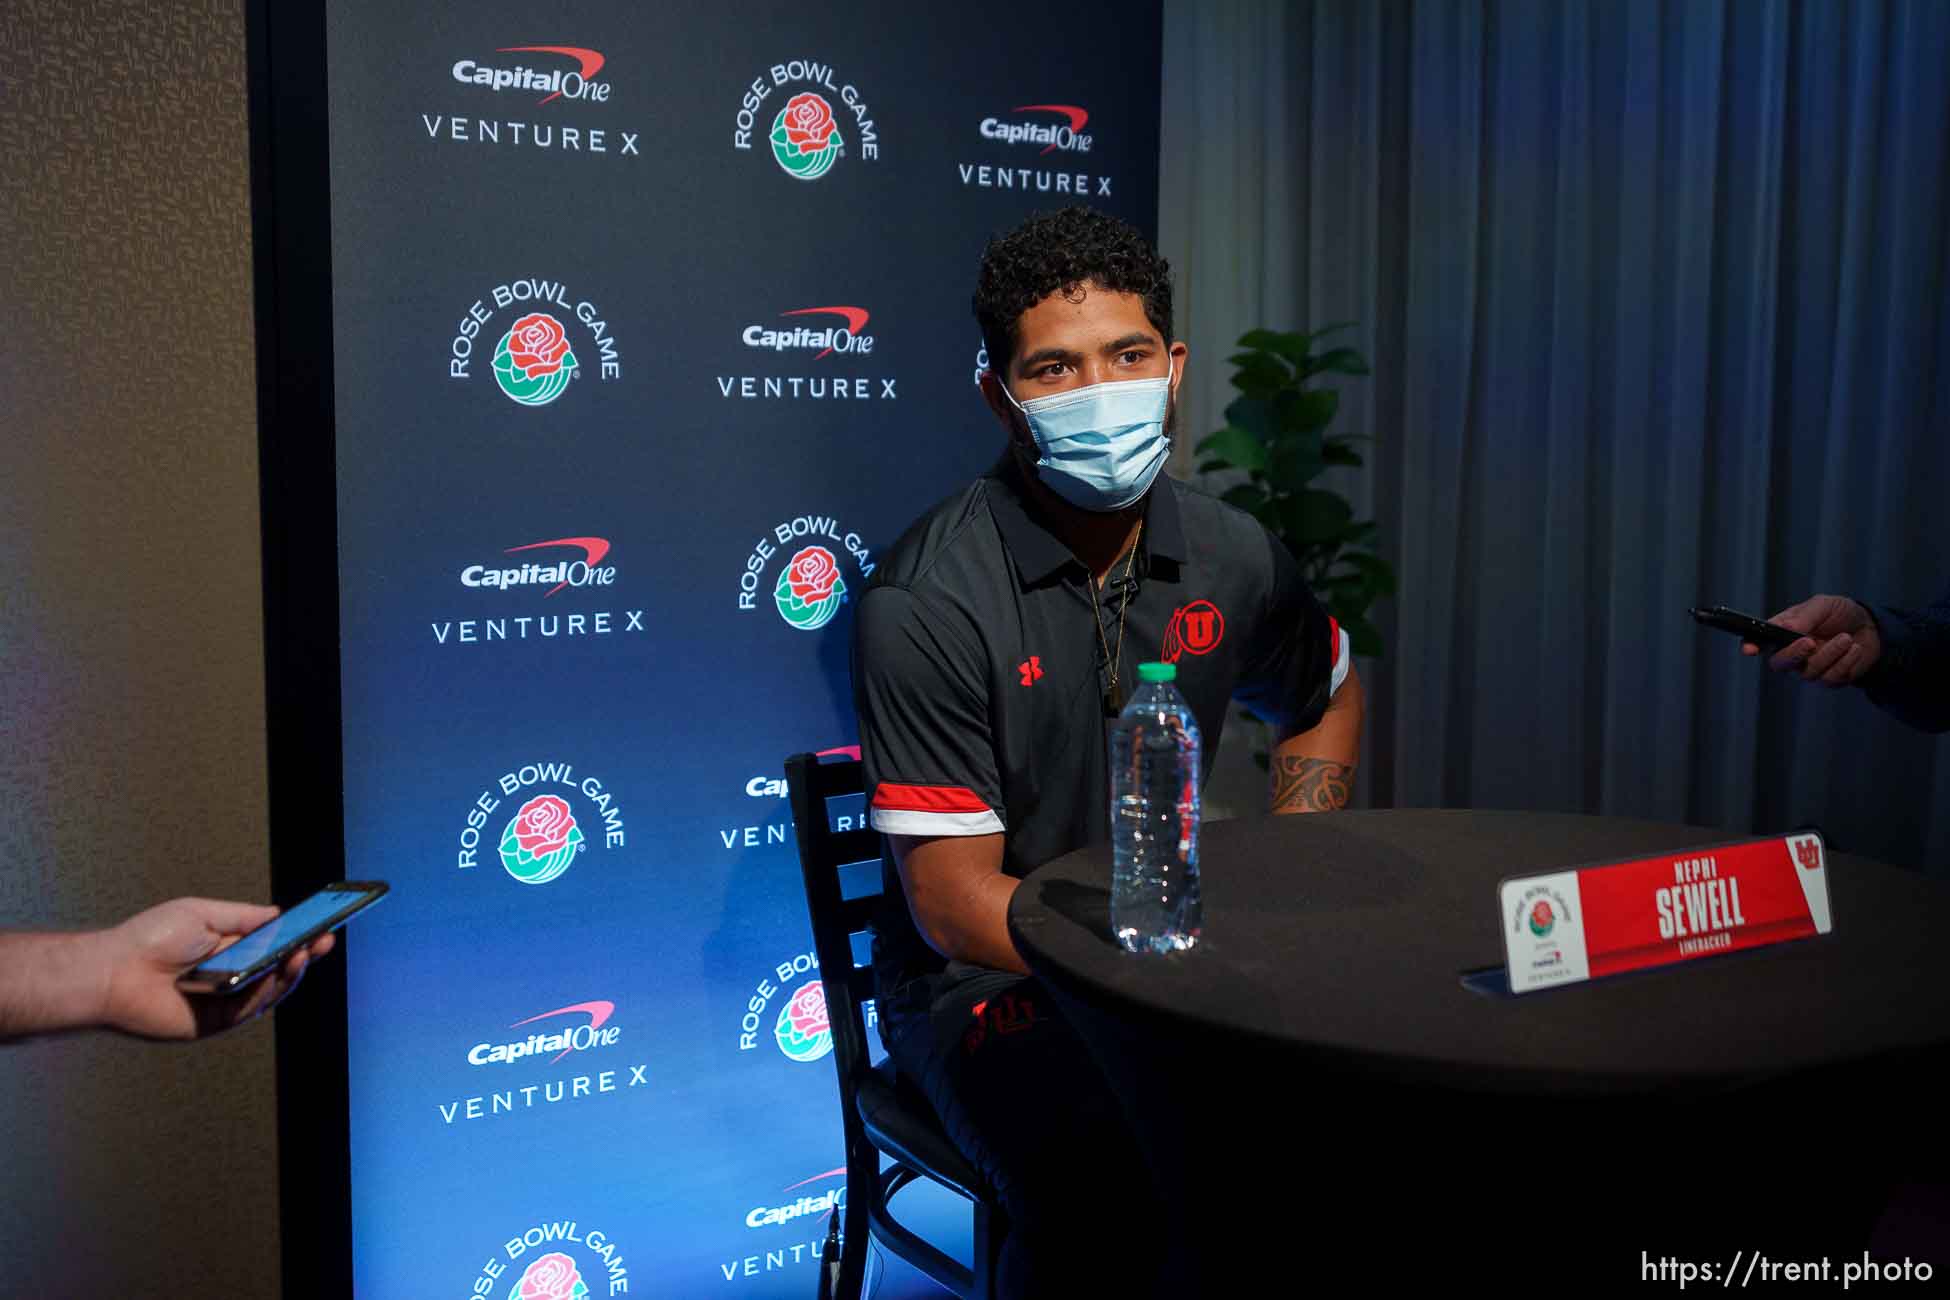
x=1155 y=672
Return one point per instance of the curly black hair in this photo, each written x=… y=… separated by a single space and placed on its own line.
x=1057 y=252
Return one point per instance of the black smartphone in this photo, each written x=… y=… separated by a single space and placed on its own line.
x=265 y=949
x=1768 y=636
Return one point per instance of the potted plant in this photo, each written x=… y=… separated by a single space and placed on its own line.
x=1276 y=434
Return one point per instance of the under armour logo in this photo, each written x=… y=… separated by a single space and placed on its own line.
x=1031 y=669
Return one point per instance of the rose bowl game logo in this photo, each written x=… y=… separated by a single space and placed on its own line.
x=799 y=1028
x=556 y=1260
x=552 y=1277
x=802 y=1030
x=805 y=135
x=805 y=138
x=541 y=841
x=533 y=363
x=533 y=360
x=1542 y=919
x=809 y=590
x=544 y=836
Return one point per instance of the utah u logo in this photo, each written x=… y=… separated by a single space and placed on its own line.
x=1195 y=629
x=1808 y=853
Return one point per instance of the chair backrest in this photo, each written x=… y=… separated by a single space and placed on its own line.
x=823 y=851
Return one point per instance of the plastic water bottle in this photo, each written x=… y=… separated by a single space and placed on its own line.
x=1154 y=817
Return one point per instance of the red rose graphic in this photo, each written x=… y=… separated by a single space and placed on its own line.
x=807 y=1010
x=537 y=345
x=552 y=1277
x=1540 y=915
x=543 y=825
x=813 y=573
x=808 y=122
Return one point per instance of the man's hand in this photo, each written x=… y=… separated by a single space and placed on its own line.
x=1839 y=641
x=140 y=959
x=1314 y=771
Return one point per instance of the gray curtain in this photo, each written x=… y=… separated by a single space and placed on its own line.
x=1654 y=295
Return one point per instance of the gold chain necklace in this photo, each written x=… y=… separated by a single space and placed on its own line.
x=1113 y=698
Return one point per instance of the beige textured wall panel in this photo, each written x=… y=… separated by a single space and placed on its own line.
x=131 y=638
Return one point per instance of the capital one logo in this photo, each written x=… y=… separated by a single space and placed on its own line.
x=585 y=572
x=1066 y=134
x=595 y=1032
x=848 y=338
x=559 y=83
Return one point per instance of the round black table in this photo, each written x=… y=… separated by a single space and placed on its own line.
x=1317 y=1073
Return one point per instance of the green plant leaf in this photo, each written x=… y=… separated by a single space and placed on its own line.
x=1341 y=361
x=1362 y=637
x=1307 y=411
x=1236 y=448
x=1293 y=461
x=1335 y=451
x=1247 y=496
x=1361 y=534
x=1335 y=328
x=1374 y=570
x=1259 y=375
x=1266 y=340
x=1315 y=517
x=1256 y=415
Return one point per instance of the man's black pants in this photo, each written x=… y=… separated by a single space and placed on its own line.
x=1020 y=1096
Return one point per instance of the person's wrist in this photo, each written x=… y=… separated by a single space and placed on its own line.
x=96 y=957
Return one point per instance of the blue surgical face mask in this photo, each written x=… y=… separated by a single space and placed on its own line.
x=1100 y=447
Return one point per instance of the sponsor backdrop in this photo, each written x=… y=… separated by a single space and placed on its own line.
x=651 y=334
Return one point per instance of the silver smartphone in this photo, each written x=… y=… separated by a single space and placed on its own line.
x=267 y=947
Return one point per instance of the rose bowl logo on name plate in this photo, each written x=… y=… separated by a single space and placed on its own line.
x=1542 y=919
x=534 y=359
x=806 y=136
x=557 y=1260
x=542 y=838
x=810 y=585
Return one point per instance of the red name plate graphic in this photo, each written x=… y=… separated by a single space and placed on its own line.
x=1585 y=922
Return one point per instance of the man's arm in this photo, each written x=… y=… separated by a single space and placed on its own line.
x=125 y=977
x=1896 y=656
x=1313 y=770
x=959 y=898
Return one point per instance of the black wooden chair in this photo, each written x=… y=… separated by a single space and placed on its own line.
x=881 y=1114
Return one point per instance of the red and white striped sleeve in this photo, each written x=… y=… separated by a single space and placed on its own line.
x=921 y=693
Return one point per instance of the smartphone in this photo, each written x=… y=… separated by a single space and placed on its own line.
x=1768 y=636
x=266 y=948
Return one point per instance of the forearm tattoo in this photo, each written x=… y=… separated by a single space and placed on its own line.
x=1310 y=784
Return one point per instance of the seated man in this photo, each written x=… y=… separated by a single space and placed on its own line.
x=994 y=645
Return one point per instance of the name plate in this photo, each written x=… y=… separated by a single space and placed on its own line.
x=1588 y=922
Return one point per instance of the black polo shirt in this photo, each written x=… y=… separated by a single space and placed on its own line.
x=980 y=679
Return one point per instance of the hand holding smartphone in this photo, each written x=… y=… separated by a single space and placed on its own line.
x=266 y=948
x=1768 y=636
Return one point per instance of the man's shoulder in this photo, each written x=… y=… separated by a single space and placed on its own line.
x=935 y=554
x=1218 y=531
